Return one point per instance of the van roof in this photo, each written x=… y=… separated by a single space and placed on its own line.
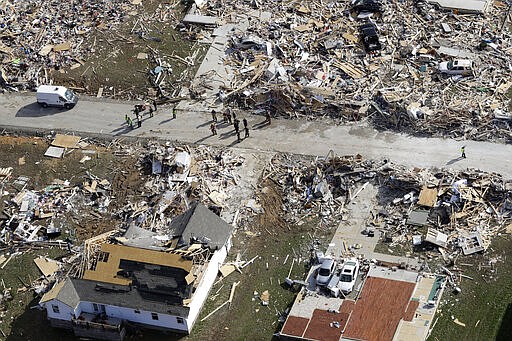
x=51 y=88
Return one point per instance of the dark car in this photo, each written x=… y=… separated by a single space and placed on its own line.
x=370 y=37
x=372 y=6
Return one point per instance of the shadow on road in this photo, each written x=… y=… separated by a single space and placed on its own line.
x=452 y=161
x=260 y=125
x=35 y=110
x=166 y=121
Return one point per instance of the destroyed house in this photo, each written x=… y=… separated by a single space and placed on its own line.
x=141 y=285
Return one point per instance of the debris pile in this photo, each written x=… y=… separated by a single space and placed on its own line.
x=180 y=175
x=457 y=211
x=35 y=215
x=454 y=211
x=320 y=187
x=40 y=36
x=318 y=59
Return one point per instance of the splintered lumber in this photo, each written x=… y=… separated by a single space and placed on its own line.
x=199 y=19
x=214 y=311
x=350 y=69
x=231 y=294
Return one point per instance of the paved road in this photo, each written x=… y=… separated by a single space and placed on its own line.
x=303 y=137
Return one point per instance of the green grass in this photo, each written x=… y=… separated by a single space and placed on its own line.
x=485 y=303
x=20 y=322
x=247 y=318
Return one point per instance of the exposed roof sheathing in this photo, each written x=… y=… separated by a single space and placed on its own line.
x=107 y=271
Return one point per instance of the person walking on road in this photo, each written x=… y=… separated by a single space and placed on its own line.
x=173 y=113
x=213 y=128
x=139 y=122
x=228 y=115
x=238 y=136
x=154 y=104
x=129 y=121
x=214 y=116
x=463 y=152
x=244 y=121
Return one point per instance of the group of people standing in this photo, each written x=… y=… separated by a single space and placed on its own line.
x=138 y=111
x=229 y=117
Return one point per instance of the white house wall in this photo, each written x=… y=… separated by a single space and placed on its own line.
x=65 y=311
x=206 y=284
x=164 y=320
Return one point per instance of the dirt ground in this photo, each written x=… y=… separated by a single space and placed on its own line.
x=26 y=156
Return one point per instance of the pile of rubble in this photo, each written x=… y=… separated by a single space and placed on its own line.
x=455 y=211
x=452 y=210
x=39 y=36
x=180 y=175
x=35 y=215
x=379 y=60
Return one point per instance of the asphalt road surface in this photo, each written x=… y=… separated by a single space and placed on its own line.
x=106 y=117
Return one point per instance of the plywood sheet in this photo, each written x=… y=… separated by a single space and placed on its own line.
x=65 y=141
x=428 y=197
x=47 y=266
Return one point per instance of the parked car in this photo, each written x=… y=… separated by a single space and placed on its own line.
x=325 y=272
x=370 y=37
x=457 y=67
x=348 y=275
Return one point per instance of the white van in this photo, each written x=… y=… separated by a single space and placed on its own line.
x=56 y=96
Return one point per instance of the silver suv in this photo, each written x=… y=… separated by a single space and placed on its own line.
x=462 y=67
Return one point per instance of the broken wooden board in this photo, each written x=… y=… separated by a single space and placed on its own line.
x=47 y=266
x=350 y=37
x=65 y=141
x=350 y=69
x=227 y=269
x=62 y=47
x=45 y=50
x=190 y=278
x=428 y=197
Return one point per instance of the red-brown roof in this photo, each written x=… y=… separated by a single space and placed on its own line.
x=295 y=326
x=326 y=326
x=411 y=310
x=377 y=312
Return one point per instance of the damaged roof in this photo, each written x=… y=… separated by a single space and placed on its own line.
x=196 y=225
x=74 y=291
x=63 y=292
x=199 y=224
